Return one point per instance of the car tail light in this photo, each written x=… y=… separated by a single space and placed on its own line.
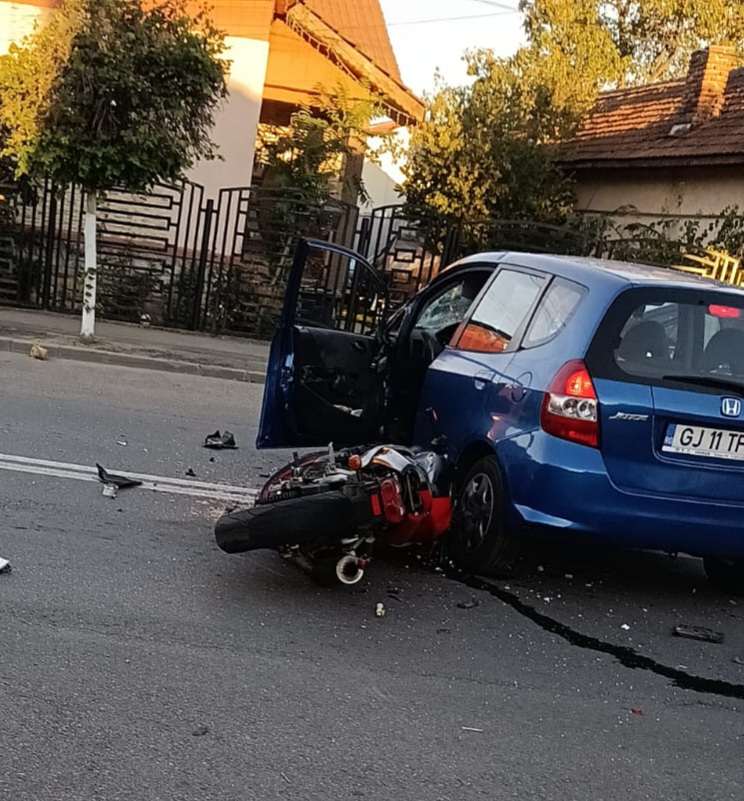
x=724 y=312
x=571 y=409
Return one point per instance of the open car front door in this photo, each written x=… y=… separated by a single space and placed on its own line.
x=323 y=384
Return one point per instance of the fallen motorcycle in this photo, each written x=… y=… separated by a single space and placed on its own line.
x=327 y=510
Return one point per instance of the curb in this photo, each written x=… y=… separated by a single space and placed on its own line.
x=84 y=354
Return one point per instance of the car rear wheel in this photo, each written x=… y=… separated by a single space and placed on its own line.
x=479 y=541
x=725 y=574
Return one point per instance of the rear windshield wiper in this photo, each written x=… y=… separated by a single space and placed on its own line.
x=708 y=381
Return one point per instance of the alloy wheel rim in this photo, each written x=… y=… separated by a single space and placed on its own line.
x=477 y=510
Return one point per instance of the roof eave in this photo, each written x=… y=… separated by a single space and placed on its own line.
x=652 y=161
x=402 y=105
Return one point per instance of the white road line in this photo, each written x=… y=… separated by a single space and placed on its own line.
x=175 y=486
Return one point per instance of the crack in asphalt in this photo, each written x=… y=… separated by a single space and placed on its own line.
x=627 y=656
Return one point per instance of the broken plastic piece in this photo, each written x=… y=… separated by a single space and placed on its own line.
x=471 y=604
x=5 y=566
x=380 y=610
x=219 y=442
x=121 y=482
x=110 y=490
x=698 y=633
x=190 y=473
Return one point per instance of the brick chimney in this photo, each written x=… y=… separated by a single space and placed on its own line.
x=705 y=89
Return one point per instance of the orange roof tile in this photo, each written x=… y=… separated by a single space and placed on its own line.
x=637 y=126
x=362 y=23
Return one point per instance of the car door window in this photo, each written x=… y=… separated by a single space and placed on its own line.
x=501 y=312
x=449 y=307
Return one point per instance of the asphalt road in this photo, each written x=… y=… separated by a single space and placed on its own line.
x=138 y=662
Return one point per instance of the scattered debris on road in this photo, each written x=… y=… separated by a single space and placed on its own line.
x=39 y=352
x=200 y=731
x=190 y=473
x=471 y=604
x=120 y=482
x=5 y=566
x=110 y=491
x=380 y=610
x=122 y=441
x=625 y=627
x=471 y=728
x=698 y=633
x=221 y=442
x=737 y=660
x=637 y=712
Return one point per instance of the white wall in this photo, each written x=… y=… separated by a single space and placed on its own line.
x=16 y=21
x=690 y=191
x=237 y=121
x=380 y=187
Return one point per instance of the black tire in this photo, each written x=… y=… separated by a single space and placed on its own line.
x=479 y=540
x=327 y=517
x=725 y=574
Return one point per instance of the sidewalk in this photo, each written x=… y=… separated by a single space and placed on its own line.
x=129 y=345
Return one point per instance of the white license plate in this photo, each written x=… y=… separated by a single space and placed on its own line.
x=713 y=443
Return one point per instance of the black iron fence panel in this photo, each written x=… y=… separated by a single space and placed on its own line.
x=146 y=244
x=248 y=251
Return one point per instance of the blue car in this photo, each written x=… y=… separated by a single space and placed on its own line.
x=572 y=396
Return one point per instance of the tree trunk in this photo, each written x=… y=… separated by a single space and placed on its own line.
x=88 y=326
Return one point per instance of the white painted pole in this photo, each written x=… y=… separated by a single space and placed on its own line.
x=88 y=325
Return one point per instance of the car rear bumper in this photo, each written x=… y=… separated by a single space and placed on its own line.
x=565 y=487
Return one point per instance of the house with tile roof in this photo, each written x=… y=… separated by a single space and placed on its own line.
x=282 y=53
x=673 y=148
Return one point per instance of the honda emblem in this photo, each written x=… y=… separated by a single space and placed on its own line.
x=731 y=407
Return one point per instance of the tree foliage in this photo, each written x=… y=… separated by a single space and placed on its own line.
x=113 y=93
x=631 y=41
x=481 y=151
x=308 y=156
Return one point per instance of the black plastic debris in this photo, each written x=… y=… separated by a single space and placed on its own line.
x=4 y=566
x=120 y=482
x=221 y=442
x=200 y=731
x=190 y=473
x=471 y=604
x=698 y=633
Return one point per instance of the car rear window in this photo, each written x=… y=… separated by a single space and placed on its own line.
x=673 y=337
x=555 y=311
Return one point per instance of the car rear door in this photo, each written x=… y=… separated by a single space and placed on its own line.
x=322 y=382
x=668 y=366
x=470 y=390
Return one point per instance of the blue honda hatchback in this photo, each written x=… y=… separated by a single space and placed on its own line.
x=572 y=395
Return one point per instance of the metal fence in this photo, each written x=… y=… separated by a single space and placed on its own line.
x=220 y=265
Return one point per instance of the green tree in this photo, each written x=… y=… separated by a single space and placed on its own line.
x=112 y=93
x=628 y=41
x=482 y=150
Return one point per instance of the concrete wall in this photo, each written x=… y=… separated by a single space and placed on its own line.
x=694 y=191
x=237 y=121
x=16 y=21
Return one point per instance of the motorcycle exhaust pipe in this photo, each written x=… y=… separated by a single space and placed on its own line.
x=349 y=570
